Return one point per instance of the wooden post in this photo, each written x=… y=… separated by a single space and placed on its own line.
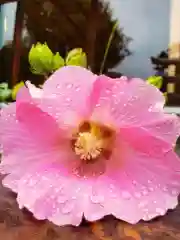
x=17 y=43
x=174 y=44
x=92 y=28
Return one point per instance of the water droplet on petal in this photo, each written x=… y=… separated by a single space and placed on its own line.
x=160 y=211
x=142 y=204
x=137 y=195
x=62 y=199
x=112 y=186
x=68 y=99
x=126 y=195
x=69 y=86
x=151 y=189
x=67 y=208
x=53 y=95
x=78 y=190
x=108 y=91
x=97 y=105
x=174 y=192
x=77 y=89
x=97 y=198
x=145 y=192
x=165 y=189
x=134 y=182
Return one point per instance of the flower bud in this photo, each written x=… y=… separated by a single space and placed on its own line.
x=77 y=57
x=40 y=59
x=157 y=81
x=57 y=62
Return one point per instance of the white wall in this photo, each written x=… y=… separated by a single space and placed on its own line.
x=147 y=22
x=8 y=18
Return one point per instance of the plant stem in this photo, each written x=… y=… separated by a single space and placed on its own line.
x=108 y=46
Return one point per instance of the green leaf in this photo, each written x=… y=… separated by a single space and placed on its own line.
x=5 y=92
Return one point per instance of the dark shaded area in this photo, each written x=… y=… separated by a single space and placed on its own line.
x=83 y=23
x=6 y=59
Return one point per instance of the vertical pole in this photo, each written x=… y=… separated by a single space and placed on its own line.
x=1 y=24
x=17 y=48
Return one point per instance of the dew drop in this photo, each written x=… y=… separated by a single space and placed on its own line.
x=151 y=189
x=165 y=189
x=108 y=91
x=62 y=199
x=78 y=190
x=126 y=195
x=67 y=208
x=174 y=192
x=77 y=89
x=145 y=192
x=52 y=197
x=97 y=105
x=113 y=195
x=57 y=190
x=142 y=204
x=160 y=211
x=146 y=210
x=134 y=182
x=69 y=85
x=97 y=198
x=137 y=195
x=112 y=186
x=68 y=99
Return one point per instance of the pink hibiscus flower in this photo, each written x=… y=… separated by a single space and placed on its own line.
x=89 y=146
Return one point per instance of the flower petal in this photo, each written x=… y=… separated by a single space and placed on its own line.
x=122 y=102
x=66 y=92
x=10 y=132
x=144 y=142
x=143 y=188
x=25 y=144
x=34 y=91
x=167 y=128
x=41 y=126
x=29 y=93
x=54 y=195
x=23 y=94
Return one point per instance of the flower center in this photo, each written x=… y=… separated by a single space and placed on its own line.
x=88 y=146
x=92 y=140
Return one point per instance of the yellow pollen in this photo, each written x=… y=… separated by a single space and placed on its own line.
x=88 y=146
